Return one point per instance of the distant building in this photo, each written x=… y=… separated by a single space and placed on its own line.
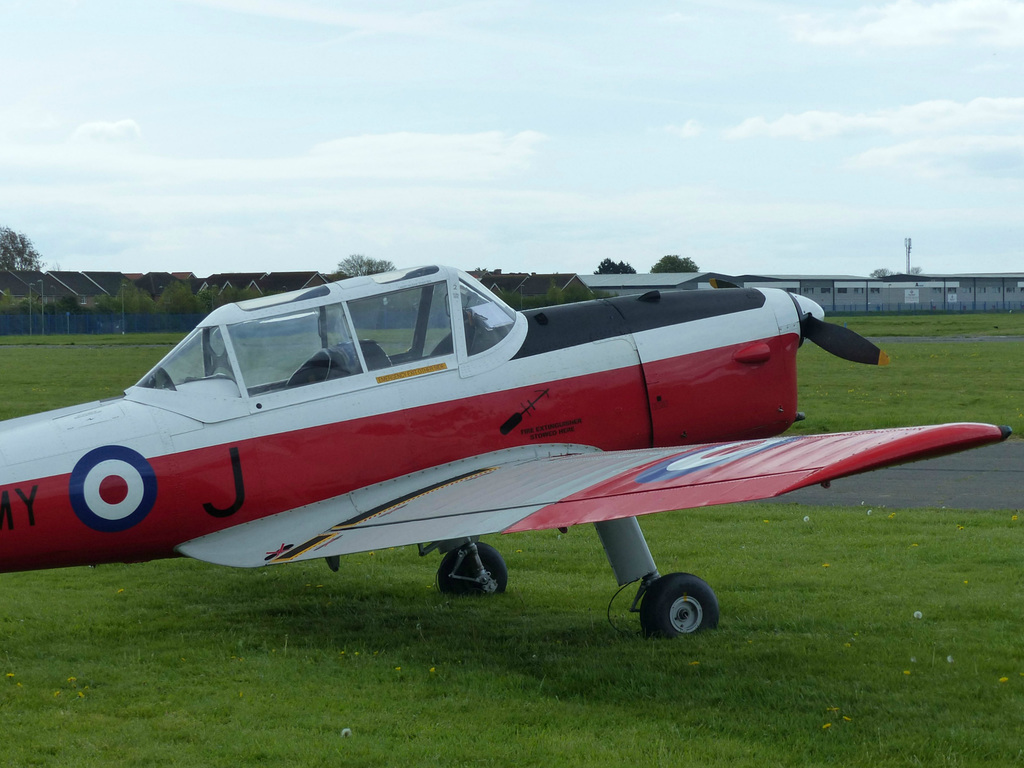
x=624 y=285
x=528 y=283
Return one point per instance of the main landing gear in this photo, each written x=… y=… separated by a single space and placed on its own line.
x=670 y=605
x=674 y=604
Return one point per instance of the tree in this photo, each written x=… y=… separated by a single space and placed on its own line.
x=357 y=264
x=882 y=272
x=129 y=298
x=609 y=267
x=178 y=299
x=17 y=251
x=675 y=263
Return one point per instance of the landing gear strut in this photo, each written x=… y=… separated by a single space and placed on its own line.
x=674 y=604
x=474 y=567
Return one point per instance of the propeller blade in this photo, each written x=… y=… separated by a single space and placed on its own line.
x=842 y=342
x=717 y=282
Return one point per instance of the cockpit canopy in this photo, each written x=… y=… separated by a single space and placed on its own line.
x=384 y=324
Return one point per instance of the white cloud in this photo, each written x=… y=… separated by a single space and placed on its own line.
x=688 y=130
x=978 y=156
x=107 y=132
x=910 y=23
x=939 y=116
x=390 y=156
x=423 y=23
x=423 y=155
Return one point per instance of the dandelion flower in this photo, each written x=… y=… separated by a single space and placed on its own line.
x=1003 y=679
x=826 y=726
x=918 y=614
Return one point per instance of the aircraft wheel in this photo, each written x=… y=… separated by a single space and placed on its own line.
x=678 y=604
x=458 y=573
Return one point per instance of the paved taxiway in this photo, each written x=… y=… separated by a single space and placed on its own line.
x=984 y=478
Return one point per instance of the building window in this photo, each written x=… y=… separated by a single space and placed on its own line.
x=840 y=290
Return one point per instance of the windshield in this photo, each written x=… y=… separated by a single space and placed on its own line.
x=201 y=357
x=486 y=320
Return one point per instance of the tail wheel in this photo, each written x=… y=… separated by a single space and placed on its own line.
x=472 y=569
x=678 y=604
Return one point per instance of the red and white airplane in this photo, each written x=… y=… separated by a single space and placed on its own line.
x=414 y=407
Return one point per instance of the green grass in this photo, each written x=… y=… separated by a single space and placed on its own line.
x=40 y=378
x=181 y=663
x=952 y=325
x=925 y=383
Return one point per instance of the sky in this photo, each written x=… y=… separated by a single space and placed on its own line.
x=754 y=137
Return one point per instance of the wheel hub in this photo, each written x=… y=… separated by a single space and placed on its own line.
x=685 y=614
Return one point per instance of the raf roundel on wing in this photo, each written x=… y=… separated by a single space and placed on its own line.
x=706 y=458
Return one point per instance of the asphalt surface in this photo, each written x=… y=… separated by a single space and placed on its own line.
x=991 y=477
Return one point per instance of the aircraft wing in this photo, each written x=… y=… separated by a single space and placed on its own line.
x=539 y=487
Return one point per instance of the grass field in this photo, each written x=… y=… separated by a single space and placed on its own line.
x=953 y=325
x=818 y=659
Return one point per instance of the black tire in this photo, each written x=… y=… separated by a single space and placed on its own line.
x=493 y=564
x=678 y=604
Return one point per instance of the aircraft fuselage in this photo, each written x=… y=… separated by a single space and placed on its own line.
x=130 y=479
